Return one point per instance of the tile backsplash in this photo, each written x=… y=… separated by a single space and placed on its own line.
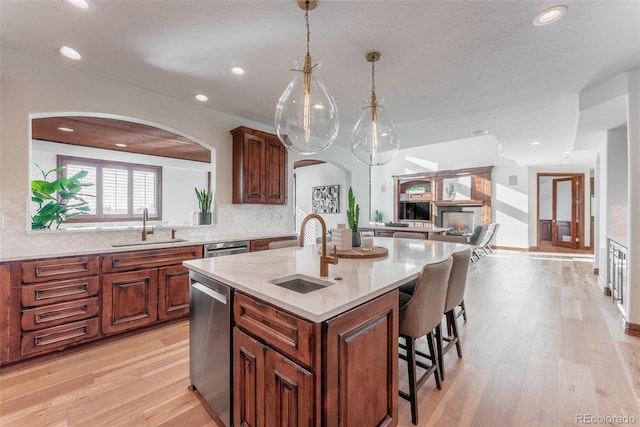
x=230 y=219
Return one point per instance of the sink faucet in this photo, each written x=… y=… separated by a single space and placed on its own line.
x=145 y=218
x=324 y=259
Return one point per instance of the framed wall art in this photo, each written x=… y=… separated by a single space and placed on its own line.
x=326 y=199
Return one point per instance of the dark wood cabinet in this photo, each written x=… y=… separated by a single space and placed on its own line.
x=259 y=167
x=58 y=303
x=129 y=300
x=173 y=292
x=289 y=371
x=263 y=244
x=5 y=312
x=142 y=287
x=361 y=351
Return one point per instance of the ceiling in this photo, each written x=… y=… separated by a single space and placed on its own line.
x=448 y=68
x=105 y=133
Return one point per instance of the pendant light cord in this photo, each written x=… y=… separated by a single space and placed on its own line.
x=306 y=18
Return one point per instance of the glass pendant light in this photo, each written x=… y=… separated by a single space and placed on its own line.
x=306 y=118
x=374 y=140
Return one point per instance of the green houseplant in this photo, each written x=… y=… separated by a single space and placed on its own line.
x=205 y=198
x=58 y=200
x=353 y=215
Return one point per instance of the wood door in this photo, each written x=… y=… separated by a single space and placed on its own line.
x=361 y=351
x=289 y=392
x=248 y=387
x=129 y=300
x=173 y=292
x=565 y=212
x=276 y=172
x=253 y=169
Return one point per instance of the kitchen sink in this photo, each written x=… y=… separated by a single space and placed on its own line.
x=148 y=242
x=301 y=283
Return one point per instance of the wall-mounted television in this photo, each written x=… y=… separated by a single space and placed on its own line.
x=414 y=210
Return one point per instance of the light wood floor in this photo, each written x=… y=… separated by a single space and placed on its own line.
x=542 y=345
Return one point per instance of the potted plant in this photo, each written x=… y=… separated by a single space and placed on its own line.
x=205 y=198
x=353 y=215
x=58 y=200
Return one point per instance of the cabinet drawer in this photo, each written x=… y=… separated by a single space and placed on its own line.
x=289 y=334
x=138 y=260
x=58 y=336
x=59 y=268
x=64 y=290
x=57 y=314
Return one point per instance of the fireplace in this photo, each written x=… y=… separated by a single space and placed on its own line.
x=459 y=219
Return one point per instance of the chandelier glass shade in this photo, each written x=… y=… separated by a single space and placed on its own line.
x=306 y=118
x=374 y=140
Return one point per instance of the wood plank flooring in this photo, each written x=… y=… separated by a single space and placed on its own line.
x=542 y=346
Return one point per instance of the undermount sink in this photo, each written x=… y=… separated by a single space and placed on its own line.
x=148 y=242
x=301 y=283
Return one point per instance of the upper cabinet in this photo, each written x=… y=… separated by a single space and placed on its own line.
x=259 y=167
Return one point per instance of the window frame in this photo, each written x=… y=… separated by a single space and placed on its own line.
x=99 y=216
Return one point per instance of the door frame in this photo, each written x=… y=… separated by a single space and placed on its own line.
x=575 y=214
x=579 y=204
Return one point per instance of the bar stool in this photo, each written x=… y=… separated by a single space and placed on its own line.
x=419 y=317
x=455 y=297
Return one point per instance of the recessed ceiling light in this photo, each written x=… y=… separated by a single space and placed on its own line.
x=565 y=161
x=238 y=71
x=566 y=153
x=121 y=145
x=534 y=143
x=549 y=16
x=80 y=4
x=480 y=132
x=70 y=53
x=64 y=129
x=202 y=98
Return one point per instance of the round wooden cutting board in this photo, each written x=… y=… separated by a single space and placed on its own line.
x=358 y=253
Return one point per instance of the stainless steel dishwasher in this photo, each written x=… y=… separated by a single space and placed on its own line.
x=210 y=343
x=226 y=248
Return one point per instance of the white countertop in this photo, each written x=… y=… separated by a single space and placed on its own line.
x=37 y=251
x=362 y=280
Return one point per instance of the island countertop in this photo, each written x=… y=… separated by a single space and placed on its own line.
x=354 y=281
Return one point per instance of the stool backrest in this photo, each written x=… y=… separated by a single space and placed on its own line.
x=424 y=311
x=448 y=238
x=457 y=279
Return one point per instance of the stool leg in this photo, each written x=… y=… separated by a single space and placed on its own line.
x=454 y=329
x=411 y=366
x=440 y=356
x=464 y=310
x=434 y=360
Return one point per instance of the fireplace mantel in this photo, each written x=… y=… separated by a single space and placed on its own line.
x=479 y=190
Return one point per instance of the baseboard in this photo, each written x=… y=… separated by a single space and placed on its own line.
x=509 y=248
x=596 y=271
x=534 y=248
x=632 y=329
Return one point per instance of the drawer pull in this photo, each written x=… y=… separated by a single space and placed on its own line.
x=64 y=313
x=67 y=334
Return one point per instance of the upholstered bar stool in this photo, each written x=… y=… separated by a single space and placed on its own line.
x=448 y=238
x=419 y=316
x=455 y=297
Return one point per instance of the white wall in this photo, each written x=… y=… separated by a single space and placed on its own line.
x=317 y=175
x=617 y=183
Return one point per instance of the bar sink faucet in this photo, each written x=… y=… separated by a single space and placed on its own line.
x=145 y=218
x=324 y=259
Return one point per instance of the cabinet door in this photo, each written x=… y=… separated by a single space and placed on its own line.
x=129 y=300
x=276 y=172
x=253 y=169
x=248 y=387
x=362 y=354
x=173 y=292
x=289 y=397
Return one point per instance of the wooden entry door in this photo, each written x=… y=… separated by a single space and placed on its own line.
x=566 y=212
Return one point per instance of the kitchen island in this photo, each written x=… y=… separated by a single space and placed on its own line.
x=326 y=357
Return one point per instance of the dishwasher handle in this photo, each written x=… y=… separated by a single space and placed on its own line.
x=212 y=293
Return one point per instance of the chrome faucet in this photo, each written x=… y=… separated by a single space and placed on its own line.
x=324 y=259
x=145 y=218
